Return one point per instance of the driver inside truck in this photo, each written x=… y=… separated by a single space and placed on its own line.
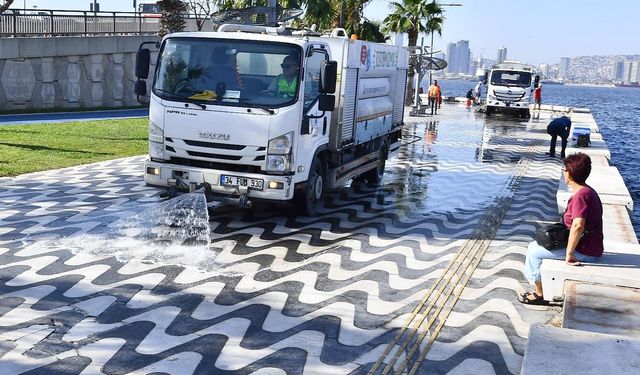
x=285 y=85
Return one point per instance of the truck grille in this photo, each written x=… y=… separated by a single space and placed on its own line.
x=233 y=157
x=506 y=96
x=215 y=165
x=222 y=146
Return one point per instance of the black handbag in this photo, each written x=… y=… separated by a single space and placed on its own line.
x=553 y=236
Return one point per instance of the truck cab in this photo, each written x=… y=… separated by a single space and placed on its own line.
x=508 y=88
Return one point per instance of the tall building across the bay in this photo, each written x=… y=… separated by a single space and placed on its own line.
x=626 y=71
x=618 y=71
x=564 y=67
x=544 y=70
x=458 y=57
x=452 y=58
x=502 y=55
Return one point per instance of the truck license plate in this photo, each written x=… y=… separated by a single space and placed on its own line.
x=252 y=183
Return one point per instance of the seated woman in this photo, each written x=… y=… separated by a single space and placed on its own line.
x=583 y=217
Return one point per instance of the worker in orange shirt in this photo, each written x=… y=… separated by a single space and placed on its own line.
x=434 y=93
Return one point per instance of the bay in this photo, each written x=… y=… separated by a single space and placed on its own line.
x=617 y=113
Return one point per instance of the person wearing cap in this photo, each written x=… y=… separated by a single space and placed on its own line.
x=559 y=127
x=285 y=85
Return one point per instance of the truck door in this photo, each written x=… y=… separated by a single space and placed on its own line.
x=317 y=132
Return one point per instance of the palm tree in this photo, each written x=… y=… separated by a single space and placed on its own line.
x=413 y=17
x=172 y=16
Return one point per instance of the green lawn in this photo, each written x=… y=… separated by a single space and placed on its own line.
x=39 y=147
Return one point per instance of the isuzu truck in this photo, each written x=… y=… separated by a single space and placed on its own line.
x=255 y=115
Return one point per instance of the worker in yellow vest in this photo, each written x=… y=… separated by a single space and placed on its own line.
x=285 y=85
x=434 y=93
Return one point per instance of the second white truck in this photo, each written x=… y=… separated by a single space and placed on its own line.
x=509 y=88
x=221 y=114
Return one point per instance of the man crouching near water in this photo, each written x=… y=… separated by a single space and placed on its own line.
x=559 y=127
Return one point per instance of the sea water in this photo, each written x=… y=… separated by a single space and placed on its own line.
x=616 y=111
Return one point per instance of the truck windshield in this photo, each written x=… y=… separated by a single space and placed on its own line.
x=228 y=72
x=510 y=78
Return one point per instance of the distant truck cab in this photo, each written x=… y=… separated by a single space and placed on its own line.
x=508 y=88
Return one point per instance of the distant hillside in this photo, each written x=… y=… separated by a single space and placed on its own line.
x=596 y=69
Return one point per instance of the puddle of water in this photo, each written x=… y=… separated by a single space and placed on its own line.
x=174 y=232
x=183 y=219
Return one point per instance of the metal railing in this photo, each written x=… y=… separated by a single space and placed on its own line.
x=72 y=22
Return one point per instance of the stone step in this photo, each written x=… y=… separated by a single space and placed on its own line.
x=601 y=308
x=561 y=351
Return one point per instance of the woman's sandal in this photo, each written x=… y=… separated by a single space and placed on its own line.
x=537 y=300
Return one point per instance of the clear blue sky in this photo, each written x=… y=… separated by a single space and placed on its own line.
x=534 y=31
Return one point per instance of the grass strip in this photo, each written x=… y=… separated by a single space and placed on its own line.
x=39 y=147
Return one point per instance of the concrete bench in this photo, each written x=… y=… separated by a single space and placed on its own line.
x=598 y=148
x=601 y=308
x=619 y=266
x=616 y=224
x=599 y=161
x=560 y=351
x=607 y=181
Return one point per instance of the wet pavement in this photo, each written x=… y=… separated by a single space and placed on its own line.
x=417 y=275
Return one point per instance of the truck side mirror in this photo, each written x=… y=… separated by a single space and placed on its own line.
x=485 y=78
x=140 y=87
x=327 y=102
x=328 y=77
x=143 y=58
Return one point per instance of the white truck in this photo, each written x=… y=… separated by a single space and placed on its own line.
x=509 y=88
x=214 y=121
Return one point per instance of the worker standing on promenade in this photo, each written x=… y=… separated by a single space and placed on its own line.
x=469 y=98
x=434 y=91
x=537 y=96
x=559 y=127
x=478 y=92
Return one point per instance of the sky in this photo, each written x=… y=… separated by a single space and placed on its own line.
x=533 y=31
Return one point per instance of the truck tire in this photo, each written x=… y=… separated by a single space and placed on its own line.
x=309 y=200
x=488 y=111
x=374 y=175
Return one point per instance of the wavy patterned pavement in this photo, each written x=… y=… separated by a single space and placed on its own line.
x=279 y=294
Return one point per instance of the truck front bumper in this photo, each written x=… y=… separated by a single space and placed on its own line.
x=279 y=188
x=510 y=107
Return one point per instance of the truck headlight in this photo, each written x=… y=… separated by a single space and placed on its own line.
x=156 y=150
x=491 y=97
x=156 y=134
x=277 y=163
x=280 y=145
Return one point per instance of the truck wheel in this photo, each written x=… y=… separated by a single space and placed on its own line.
x=375 y=175
x=488 y=111
x=310 y=200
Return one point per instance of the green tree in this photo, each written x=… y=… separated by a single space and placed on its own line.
x=413 y=17
x=172 y=16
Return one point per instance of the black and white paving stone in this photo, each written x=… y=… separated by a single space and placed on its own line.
x=274 y=293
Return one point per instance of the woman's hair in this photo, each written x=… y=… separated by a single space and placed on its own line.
x=579 y=167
